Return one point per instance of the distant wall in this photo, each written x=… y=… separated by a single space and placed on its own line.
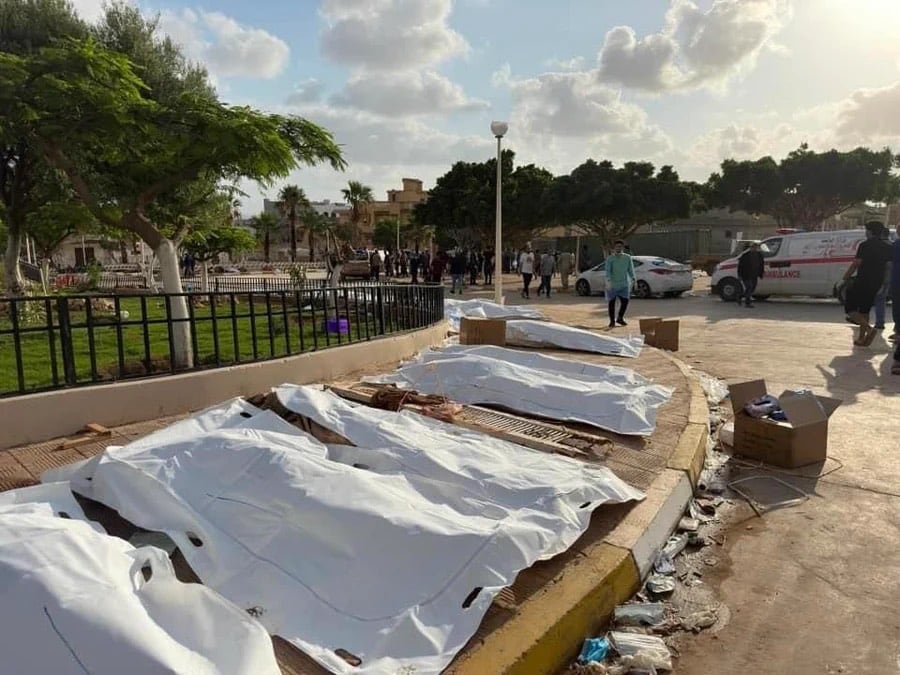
x=40 y=417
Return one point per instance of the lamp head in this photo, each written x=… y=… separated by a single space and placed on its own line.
x=499 y=129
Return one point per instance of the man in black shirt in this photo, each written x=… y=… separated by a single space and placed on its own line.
x=870 y=266
x=751 y=268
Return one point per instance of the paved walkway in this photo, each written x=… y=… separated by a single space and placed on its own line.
x=811 y=589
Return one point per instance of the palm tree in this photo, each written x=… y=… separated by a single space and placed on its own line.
x=293 y=200
x=265 y=224
x=317 y=224
x=357 y=196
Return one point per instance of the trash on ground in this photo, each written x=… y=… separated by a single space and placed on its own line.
x=594 y=649
x=663 y=564
x=675 y=545
x=767 y=500
x=716 y=391
x=640 y=614
x=660 y=584
x=646 y=651
x=697 y=621
x=702 y=509
x=689 y=524
x=726 y=434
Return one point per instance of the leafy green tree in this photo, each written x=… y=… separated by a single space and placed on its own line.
x=612 y=203
x=358 y=196
x=265 y=225
x=385 y=234
x=207 y=244
x=292 y=201
x=26 y=26
x=806 y=187
x=84 y=109
x=317 y=225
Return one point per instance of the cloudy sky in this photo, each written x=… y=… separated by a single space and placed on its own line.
x=410 y=86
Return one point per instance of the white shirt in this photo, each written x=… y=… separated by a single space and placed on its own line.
x=526 y=263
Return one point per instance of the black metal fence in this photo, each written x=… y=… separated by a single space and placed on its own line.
x=52 y=342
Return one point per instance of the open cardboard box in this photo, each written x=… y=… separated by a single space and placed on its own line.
x=659 y=333
x=476 y=331
x=802 y=440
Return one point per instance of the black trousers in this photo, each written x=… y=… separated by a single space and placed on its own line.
x=526 y=282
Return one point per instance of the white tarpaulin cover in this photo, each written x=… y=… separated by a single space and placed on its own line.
x=454 y=310
x=74 y=600
x=525 y=333
x=390 y=551
x=610 y=399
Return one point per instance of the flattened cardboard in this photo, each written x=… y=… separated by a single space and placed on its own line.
x=659 y=333
x=802 y=440
x=476 y=331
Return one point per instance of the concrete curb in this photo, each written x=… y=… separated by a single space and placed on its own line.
x=548 y=629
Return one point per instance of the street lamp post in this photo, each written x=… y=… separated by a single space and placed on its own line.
x=499 y=129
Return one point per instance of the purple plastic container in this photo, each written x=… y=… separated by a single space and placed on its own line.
x=341 y=326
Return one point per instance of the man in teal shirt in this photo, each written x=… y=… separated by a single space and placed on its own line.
x=619 y=280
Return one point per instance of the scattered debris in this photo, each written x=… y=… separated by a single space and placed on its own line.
x=641 y=651
x=593 y=649
x=660 y=584
x=689 y=525
x=675 y=545
x=664 y=564
x=756 y=506
x=698 y=621
x=640 y=614
x=91 y=433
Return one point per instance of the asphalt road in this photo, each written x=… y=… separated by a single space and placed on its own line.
x=814 y=588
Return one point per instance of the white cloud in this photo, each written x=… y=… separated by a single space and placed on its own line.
x=575 y=63
x=309 y=91
x=89 y=10
x=695 y=48
x=227 y=48
x=390 y=34
x=413 y=93
x=870 y=116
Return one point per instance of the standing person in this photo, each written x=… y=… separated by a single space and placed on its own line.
x=488 y=267
x=895 y=295
x=473 y=268
x=584 y=261
x=548 y=266
x=870 y=266
x=457 y=271
x=619 y=280
x=882 y=296
x=526 y=268
x=388 y=265
x=751 y=268
x=414 y=267
x=375 y=265
x=564 y=266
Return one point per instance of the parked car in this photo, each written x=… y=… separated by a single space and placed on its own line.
x=358 y=268
x=802 y=263
x=654 y=276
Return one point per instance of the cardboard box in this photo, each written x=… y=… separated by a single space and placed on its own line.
x=482 y=331
x=802 y=440
x=659 y=333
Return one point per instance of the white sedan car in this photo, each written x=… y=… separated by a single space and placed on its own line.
x=653 y=276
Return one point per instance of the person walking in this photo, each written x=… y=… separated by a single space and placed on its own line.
x=751 y=268
x=619 y=280
x=526 y=269
x=414 y=267
x=881 y=297
x=564 y=266
x=488 y=267
x=375 y=266
x=473 y=268
x=457 y=271
x=548 y=265
x=870 y=265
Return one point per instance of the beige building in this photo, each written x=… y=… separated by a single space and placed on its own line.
x=399 y=205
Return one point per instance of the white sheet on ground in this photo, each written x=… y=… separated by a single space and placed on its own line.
x=74 y=601
x=594 y=372
x=525 y=333
x=454 y=310
x=372 y=549
x=475 y=378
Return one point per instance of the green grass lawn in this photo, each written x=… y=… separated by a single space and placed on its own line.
x=233 y=337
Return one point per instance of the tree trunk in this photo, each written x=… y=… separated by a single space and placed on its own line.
x=15 y=284
x=182 y=355
x=293 y=236
x=266 y=245
x=45 y=275
x=204 y=276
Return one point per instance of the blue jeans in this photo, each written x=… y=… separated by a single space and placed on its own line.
x=879 y=307
x=749 y=289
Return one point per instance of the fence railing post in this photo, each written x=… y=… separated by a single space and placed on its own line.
x=65 y=340
x=379 y=309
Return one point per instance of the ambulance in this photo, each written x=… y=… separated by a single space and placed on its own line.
x=797 y=263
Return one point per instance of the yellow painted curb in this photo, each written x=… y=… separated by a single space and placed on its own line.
x=690 y=452
x=549 y=627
